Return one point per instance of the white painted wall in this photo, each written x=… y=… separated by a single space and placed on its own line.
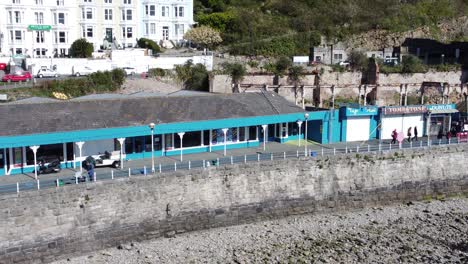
x=358 y=129
x=401 y=124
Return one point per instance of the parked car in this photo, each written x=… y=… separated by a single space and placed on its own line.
x=82 y=70
x=45 y=72
x=17 y=77
x=344 y=63
x=129 y=70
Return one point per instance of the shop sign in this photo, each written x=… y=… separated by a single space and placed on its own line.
x=441 y=107
x=39 y=27
x=400 y=110
x=362 y=111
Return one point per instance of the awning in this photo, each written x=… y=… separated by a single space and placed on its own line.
x=444 y=111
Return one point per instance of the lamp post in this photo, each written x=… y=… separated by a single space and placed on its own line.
x=264 y=136
x=225 y=130
x=34 y=150
x=299 y=124
x=151 y=126
x=181 y=135
x=306 y=116
x=121 y=141
x=80 y=147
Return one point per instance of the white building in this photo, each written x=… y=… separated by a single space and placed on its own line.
x=46 y=28
x=37 y=28
x=164 y=20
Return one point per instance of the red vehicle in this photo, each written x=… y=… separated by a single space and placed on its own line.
x=3 y=66
x=17 y=77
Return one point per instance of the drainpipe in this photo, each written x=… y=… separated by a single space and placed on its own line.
x=330 y=125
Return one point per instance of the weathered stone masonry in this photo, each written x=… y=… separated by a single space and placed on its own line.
x=41 y=226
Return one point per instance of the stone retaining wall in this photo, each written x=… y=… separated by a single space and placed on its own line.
x=40 y=226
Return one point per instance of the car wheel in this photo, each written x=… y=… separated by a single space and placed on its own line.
x=116 y=164
x=40 y=76
x=9 y=81
x=77 y=74
x=56 y=75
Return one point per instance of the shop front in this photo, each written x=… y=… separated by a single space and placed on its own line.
x=359 y=123
x=439 y=118
x=401 y=118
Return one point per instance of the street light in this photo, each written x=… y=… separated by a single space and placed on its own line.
x=225 y=130
x=264 y=136
x=299 y=123
x=34 y=150
x=306 y=116
x=151 y=126
x=181 y=135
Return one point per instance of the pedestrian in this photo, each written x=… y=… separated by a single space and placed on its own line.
x=409 y=134
x=440 y=134
x=448 y=136
x=416 y=133
x=394 y=136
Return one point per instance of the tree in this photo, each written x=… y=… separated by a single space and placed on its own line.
x=296 y=74
x=282 y=66
x=145 y=43
x=357 y=60
x=236 y=71
x=81 y=48
x=193 y=76
x=412 y=64
x=204 y=36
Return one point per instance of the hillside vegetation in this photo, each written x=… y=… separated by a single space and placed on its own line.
x=278 y=27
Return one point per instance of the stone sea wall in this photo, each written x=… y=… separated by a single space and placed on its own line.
x=41 y=226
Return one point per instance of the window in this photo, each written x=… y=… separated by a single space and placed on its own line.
x=107 y=14
x=16 y=1
x=146 y=28
x=88 y=1
x=165 y=11
x=39 y=17
x=40 y=52
x=60 y=2
x=129 y=32
x=152 y=11
x=153 y=28
x=338 y=56
x=179 y=11
x=89 y=32
x=129 y=14
x=62 y=37
x=179 y=29
x=87 y=13
x=127 y=2
x=107 y=1
x=18 y=35
x=39 y=36
x=39 y=2
x=61 y=18
x=17 y=17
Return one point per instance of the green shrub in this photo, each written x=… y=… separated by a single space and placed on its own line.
x=145 y=43
x=157 y=72
x=81 y=48
x=412 y=64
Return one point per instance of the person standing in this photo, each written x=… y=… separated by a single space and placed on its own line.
x=409 y=134
x=416 y=133
x=448 y=136
x=394 y=136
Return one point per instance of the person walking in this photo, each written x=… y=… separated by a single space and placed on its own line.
x=415 y=133
x=409 y=134
x=448 y=136
x=394 y=136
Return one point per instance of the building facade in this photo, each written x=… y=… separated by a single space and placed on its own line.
x=47 y=28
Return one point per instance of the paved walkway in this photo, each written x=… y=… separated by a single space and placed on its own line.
x=271 y=147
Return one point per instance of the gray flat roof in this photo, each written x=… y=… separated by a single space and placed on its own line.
x=84 y=114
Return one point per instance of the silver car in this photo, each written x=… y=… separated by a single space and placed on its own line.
x=45 y=72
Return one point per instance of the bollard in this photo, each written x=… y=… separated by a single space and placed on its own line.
x=368 y=148
x=17 y=187
x=334 y=151
x=76 y=180
x=129 y=172
x=245 y=158
x=258 y=157
x=144 y=170
x=380 y=147
x=217 y=162
x=175 y=166
x=322 y=151
x=232 y=160
x=204 y=164
x=271 y=156
x=160 y=168
x=390 y=148
x=411 y=144
x=112 y=174
x=297 y=154
x=357 y=149
x=189 y=165
x=440 y=141
x=284 y=155
x=38 y=185
x=94 y=177
x=420 y=144
x=449 y=141
x=57 y=183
